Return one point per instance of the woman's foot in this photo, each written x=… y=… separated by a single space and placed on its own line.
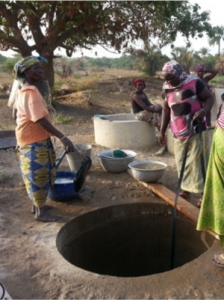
x=33 y=208
x=218 y=260
x=185 y=194
x=42 y=215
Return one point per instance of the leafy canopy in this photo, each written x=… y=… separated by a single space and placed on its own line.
x=44 y=26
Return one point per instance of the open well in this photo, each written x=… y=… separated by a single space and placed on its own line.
x=130 y=240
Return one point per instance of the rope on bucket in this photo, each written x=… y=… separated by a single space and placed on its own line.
x=79 y=150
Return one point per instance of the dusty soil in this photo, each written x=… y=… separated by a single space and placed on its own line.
x=28 y=256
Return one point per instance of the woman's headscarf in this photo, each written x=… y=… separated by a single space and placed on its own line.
x=24 y=64
x=136 y=81
x=173 y=67
x=200 y=68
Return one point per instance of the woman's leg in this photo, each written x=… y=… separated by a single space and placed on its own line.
x=211 y=216
x=37 y=166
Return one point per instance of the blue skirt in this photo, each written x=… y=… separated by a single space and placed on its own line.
x=37 y=163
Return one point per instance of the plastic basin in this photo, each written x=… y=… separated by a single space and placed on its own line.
x=63 y=189
x=115 y=164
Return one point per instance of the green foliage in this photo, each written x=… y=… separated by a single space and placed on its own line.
x=127 y=62
x=204 y=51
x=10 y=62
x=62 y=119
x=184 y=56
x=217 y=79
x=77 y=76
x=44 y=26
x=210 y=61
x=2 y=59
x=150 y=59
x=153 y=62
x=217 y=82
x=216 y=34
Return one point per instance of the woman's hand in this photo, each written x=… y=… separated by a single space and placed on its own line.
x=69 y=147
x=162 y=139
x=46 y=124
x=156 y=108
x=199 y=115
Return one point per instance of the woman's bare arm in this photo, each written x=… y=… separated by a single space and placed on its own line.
x=149 y=107
x=54 y=131
x=208 y=100
x=164 y=123
x=212 y=74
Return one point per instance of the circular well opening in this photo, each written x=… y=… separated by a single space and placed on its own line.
x=130 y=240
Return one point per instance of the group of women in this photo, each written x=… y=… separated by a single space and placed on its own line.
x=186 y=110
x=187 y=102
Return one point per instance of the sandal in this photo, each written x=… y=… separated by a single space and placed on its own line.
x=218 y=260
x=199 y=203
x=185 y=194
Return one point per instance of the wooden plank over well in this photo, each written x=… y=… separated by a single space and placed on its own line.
x=183 y=206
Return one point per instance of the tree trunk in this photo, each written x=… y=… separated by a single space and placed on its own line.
x=49 y=72
x=219 y=44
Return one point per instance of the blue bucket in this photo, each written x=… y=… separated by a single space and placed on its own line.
x=63 y=189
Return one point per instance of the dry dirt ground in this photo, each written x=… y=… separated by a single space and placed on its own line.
x=28 y=263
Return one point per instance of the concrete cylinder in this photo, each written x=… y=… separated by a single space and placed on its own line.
x=123 y=131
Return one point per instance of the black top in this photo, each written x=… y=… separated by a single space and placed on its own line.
x=137 y=108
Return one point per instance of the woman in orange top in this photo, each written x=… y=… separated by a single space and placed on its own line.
x=33 y=132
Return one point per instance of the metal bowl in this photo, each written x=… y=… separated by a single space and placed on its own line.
x=115 y=164
x=147 y=170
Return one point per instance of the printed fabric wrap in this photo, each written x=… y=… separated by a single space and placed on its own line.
x=200 y=68
x=37 y=163
x=196 y=163
x=183 y=103
x=211 y=216
x=173 y=67
x=150 y=117
x=24 y=64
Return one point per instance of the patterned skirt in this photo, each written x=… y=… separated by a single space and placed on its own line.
x=150 y=117
x=211 y=217
x=196 y=162
x=37 y=163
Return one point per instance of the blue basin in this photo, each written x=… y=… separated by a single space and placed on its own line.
x=63 y=189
